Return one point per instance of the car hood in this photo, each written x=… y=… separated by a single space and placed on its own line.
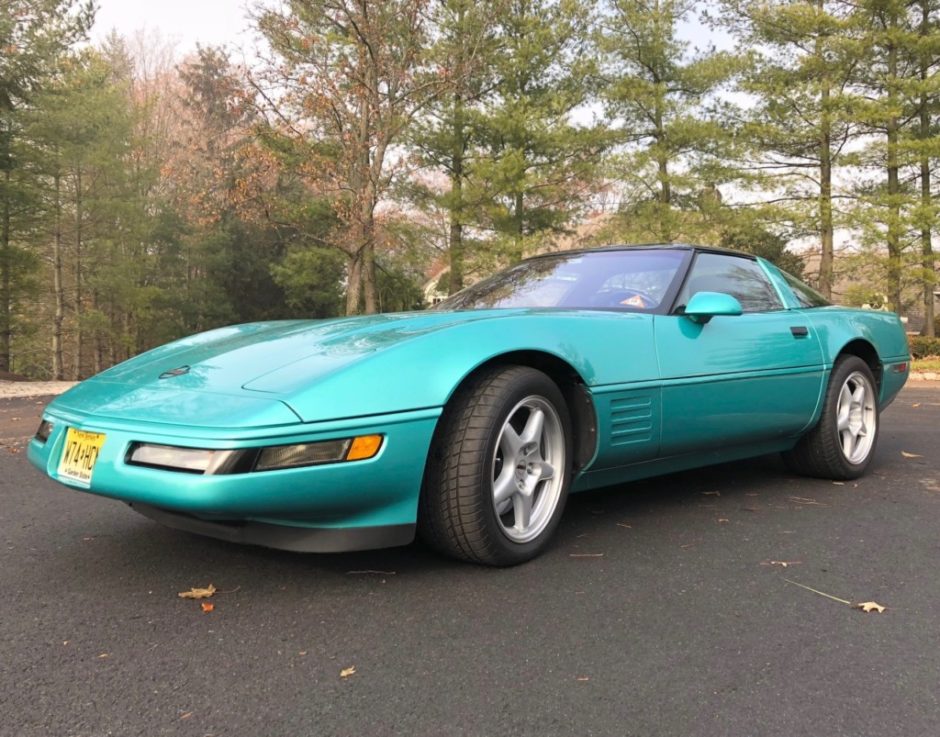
x=245 y=373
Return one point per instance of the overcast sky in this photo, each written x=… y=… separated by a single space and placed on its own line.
x=210 y=22
x=214 y=22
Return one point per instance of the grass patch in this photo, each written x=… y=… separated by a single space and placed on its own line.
x=930 y=363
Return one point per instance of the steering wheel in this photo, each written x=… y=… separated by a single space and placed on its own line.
x=625 y=298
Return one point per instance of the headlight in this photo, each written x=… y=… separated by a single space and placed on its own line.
x=245 y=460
x=312 y=454
x=44 y=431
x=307 y=454
x=189 y=460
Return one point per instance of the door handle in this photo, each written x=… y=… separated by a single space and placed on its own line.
x=799 y=331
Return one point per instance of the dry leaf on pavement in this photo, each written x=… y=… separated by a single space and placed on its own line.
x=347 y=672
x=870 y=606
x=198 y=593
x=781 y=563
x=207 y=606
x=910 y=455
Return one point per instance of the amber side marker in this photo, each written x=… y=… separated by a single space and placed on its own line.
x=364 y=446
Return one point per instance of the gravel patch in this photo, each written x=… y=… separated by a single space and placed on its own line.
x=10 y=389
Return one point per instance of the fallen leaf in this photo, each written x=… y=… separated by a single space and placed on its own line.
x=865 y=606
x=910 y=455
x=838 y=483
x=347 y=672
x=915 y=405
x=104 y=655
x=585 y=555
x=583 y=678
x=198 y=593
x=186 y=715
x=207 y=606
x=722 y=520
x=781 y=563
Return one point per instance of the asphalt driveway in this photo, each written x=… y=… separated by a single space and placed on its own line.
x=663 y=609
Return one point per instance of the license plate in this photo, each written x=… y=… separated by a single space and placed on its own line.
x=80 y=455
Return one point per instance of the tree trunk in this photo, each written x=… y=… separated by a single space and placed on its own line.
x=455 y=236
x=97 y=348
x=662 y=173
x=6 y=297
x=368 y=277
x=926 y=245
x=77 y=372
x=518 y=217
x=58 y=369
x=353 y=281
x=826 y=229
x=894 y=186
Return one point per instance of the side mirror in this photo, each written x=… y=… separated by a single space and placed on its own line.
x=705 y=305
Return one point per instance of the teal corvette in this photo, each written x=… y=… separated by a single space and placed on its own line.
x=470 y=423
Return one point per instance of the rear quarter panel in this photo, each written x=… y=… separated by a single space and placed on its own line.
x=839 y=326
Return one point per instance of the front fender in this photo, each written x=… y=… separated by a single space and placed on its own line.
x=603 y=347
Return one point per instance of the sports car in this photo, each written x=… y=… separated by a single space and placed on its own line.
x=469 y=424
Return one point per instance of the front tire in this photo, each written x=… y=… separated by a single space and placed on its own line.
x=499 y=469
x=842 y=444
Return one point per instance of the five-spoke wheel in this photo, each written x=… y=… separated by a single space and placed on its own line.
x=499 y=468
x=526 y=488
x=842 y=443
x=856 y=417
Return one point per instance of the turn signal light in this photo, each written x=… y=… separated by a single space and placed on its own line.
x=365 y=446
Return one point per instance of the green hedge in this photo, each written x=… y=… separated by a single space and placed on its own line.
x=922 y=347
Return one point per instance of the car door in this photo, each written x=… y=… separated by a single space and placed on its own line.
x=735 y=380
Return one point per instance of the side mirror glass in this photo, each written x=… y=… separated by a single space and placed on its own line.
x=705 y=305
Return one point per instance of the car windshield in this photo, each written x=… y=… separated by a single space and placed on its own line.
x=634 y=280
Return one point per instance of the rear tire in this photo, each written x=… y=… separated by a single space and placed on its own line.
x=842 y=444
x=499 y=469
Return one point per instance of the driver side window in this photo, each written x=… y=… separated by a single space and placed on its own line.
x=740 y=277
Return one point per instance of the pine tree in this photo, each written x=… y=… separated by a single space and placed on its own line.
x=537 y=166
x=446 y=137
x=34 y=34
x=657 y=94
x=799 y=60
x=899 y=50
x=926 y=19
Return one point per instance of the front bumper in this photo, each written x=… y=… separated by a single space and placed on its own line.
x=285 y=537
x=328 y=502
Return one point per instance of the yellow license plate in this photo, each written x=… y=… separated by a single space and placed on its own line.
x=80 y=455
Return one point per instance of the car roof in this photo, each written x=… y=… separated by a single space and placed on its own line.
x=648 y=247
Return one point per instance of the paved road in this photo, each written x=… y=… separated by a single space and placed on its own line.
x=659 y=612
